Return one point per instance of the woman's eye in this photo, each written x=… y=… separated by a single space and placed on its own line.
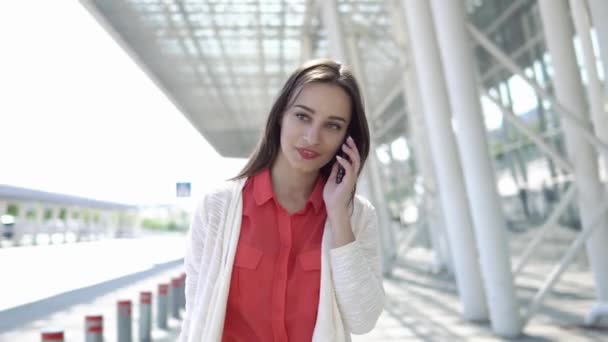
x=302 y=116
x=335 y=126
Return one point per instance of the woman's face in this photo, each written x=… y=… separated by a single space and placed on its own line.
x=313 y=127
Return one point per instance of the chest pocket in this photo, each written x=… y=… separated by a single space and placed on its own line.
x=247 y=257
x=311 y=260
x=246 y=261
x=309 y=282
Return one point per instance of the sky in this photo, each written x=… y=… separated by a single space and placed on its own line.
x=79 y=117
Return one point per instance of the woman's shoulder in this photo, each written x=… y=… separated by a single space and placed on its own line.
x=219 y=193
x=223 y=188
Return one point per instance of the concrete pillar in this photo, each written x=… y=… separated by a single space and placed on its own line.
x=432 y=204
x=445 y=158
x=20 y=222
x=599 y=13
x=421 y=143
x=28 y=224
x=55 y=210
x=369 y=183
x=107 y=220
x=330 y=17
x=307 y=46
x=307 y=43
x=599 y=114
x=3 y=207
x=372 y=174
x=569 y=90
x=39 y=222
x=488 y=220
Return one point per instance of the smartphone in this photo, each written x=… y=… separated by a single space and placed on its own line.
x=341 y=170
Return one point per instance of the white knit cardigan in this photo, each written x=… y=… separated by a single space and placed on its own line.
x=351 y=296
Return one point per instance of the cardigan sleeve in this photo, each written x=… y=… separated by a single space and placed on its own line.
x=192 y=258
x=357 y=277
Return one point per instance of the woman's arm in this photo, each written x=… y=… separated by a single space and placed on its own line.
x=357 y=276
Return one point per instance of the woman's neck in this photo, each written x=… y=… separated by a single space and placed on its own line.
x=289 y=183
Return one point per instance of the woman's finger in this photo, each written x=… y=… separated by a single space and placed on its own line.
x=352 y=153
x=357 y=159
x=334 y=170
x=348 y=167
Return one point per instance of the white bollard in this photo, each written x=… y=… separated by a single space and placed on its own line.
x=145 y=316
x=52 y=335
x=93 y=325
x=182 y=291
x=124 y=321
x=174 y=298
x=161 y=317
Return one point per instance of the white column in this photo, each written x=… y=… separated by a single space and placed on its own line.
x=20 y=222
x=38 y=222
x=335 y=32
x=3 y=207
x=421 y=142
x=569 y=91
x=370 y=185
x=54 y=217
x=599 y=114
x=432 y=205
x=445 y=158
x=369 y=180
x=599 y=13
x=490 y=227
x=26 y=226
x=306 y=46
x=373 y=181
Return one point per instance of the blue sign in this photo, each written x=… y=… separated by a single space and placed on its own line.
x=183 y=189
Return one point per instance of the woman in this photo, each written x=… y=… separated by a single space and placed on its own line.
x=286 y=251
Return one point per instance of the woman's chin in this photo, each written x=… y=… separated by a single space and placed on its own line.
x=307 y=166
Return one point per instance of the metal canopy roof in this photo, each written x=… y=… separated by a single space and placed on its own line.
x=222 y=62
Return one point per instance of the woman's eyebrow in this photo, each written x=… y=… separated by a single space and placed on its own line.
x=306 y=108
x=313 y=111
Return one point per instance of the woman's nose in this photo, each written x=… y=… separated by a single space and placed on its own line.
x=312 y=135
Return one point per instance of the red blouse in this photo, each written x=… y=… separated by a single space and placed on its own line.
x=274 y=290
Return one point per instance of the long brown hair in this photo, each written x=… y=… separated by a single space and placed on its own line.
x=318 y=70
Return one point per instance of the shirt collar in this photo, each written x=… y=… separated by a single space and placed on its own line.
x=262 y=190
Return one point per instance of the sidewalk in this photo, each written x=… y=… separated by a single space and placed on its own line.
x=422 y=306
x=49 y=270
x=71 y=318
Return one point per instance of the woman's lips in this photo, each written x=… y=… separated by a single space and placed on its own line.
x=307 y=154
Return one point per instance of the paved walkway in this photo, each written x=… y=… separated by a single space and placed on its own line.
x=423 y=306
x=48 y=270
x=71 y=318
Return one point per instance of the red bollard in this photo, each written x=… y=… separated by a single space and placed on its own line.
x=52 y=335
x=174 y=297
x=93 y=328
x=161 y=315
x=124 y=321
x=145 y=316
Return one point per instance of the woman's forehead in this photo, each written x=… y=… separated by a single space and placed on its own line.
x=325 y=98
